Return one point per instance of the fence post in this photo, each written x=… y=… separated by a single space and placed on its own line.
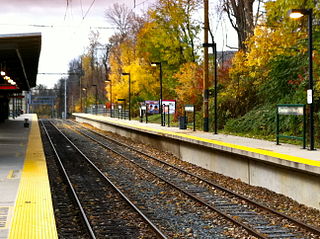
x=277 y=126
x=304 y=126
x=168 y=116
x=194 y=118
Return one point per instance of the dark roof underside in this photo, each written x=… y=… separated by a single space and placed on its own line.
x=19 y=58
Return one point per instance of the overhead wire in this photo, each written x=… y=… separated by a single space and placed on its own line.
x=88 y=10
x=136 y=5
x=81 y=8
x=71 y=10
x=65 y=13
x=53 y=26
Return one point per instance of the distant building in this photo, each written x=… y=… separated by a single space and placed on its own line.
x=223 y=56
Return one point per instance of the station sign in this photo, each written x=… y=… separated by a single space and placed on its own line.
x=286 y=110
x=189 y=108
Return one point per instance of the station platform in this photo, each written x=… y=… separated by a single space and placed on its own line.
x=286 y=169
x=251 y=147
x=25 y=203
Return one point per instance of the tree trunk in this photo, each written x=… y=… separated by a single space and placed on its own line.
x=240 y=14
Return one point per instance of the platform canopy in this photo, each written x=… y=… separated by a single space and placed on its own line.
x=19 y=59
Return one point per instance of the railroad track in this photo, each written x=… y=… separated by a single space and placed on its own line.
x=68 y=217
x=257 y=219
x=105 y=210
x=175 y=213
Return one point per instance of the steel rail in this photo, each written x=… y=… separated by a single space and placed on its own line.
x=310 y=228
x=249 y=229
x=153 y=226
x=83 y=214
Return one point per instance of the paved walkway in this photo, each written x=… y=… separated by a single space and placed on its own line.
x=25 y=203
x=13 y=146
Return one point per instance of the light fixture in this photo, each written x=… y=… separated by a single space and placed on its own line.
x=3 y=73
x=298 y=13
x=154 y=63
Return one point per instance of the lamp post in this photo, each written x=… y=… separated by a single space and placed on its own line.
x=128 y=74
x=85 y=99
x=214 y=50
x=96 y=98
x=298 y=13
x=160 y=106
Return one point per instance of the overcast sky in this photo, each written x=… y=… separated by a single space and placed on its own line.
x=68 y=36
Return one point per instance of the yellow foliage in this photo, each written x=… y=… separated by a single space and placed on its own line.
x=190 y=80
x=251 y=67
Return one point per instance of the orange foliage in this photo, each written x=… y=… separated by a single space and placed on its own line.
x=190 y=84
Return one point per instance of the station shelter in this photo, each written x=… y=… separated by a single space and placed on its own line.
x=19 y=59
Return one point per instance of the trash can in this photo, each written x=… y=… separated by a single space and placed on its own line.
x=26 y=123
x=183 y=122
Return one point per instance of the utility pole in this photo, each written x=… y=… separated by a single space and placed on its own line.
x=206 y=69
x=81 y=109
x=65 y=99
x=215 y=89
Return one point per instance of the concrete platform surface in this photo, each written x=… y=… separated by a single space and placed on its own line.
x=285 y=169
x=25 y=202
x=285 y=154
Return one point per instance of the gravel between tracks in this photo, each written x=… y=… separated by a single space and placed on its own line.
x=271 y=199
x=179 y=216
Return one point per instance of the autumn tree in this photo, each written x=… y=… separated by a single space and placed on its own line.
x=272 y=70
x=242 y=18
x=170 y=36
x=93 y=71
x=171 y=32
x=120 y=16
x=190 y=84
x=123 y=55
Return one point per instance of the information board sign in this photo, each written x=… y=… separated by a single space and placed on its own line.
x=153 y=106
x=171 y=104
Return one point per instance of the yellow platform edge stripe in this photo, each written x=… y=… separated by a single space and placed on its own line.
x=10 y=174
x=212 y=141
x=33 y=215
